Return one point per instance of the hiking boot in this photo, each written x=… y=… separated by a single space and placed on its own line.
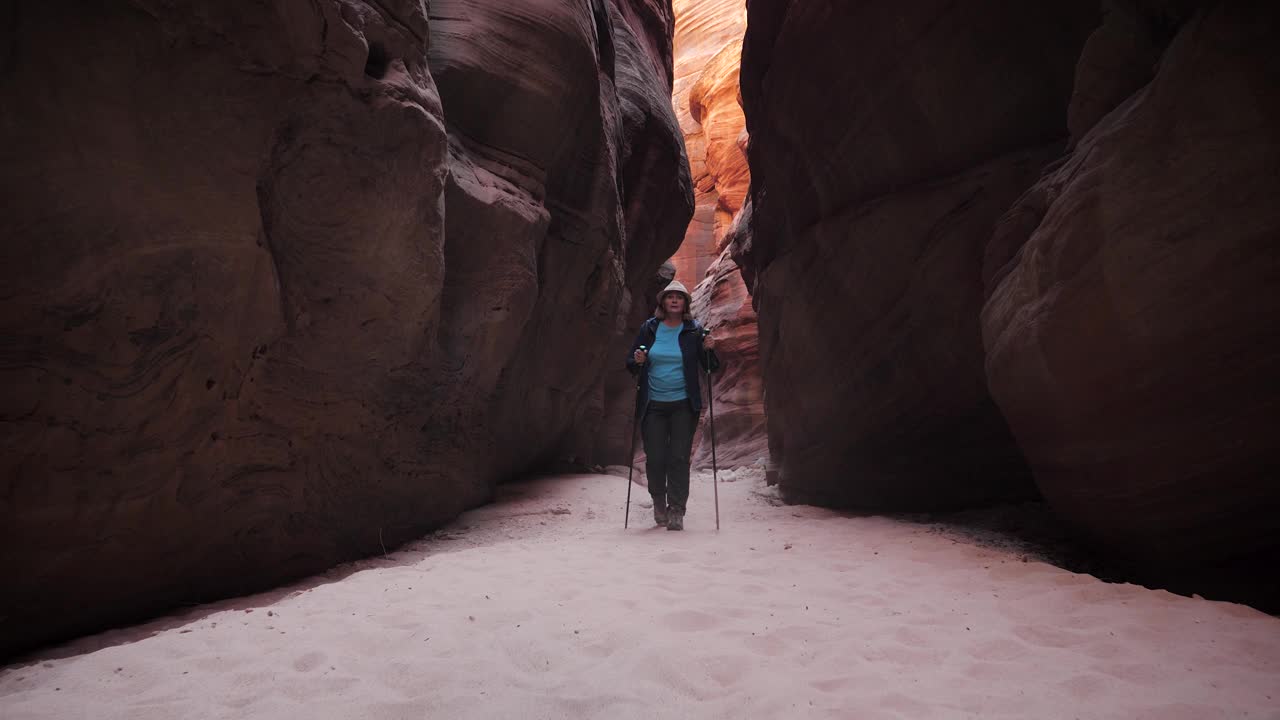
x=659 y=512
x=675 y=520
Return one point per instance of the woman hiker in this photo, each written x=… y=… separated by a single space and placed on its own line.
x=667 y=355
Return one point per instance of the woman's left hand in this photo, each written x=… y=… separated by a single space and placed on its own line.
x=708 y=342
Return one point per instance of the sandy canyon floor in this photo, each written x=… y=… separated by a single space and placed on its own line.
x=542 y=606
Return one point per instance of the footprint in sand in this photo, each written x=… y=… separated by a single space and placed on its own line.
x=308 y=662
x=689 y=621
x=767 y=645
x=1043 y=636
x=832 y=685
x=909 y=706
x=1085 y=687
x=986 y=672
x=911 y=638
x=1104 y=650
x=726 y=670
x=905 y=655
x=1143 y=674
x=599 y=651
x=1000 y=650
x=872 y=600
x=1183 y=711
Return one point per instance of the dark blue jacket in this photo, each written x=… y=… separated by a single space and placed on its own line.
x=690 y=340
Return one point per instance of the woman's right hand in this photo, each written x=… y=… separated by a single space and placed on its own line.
x=640 y=357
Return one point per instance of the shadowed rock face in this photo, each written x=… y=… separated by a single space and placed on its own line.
x=1070 y=218
x=886 y=140
x=1131 y=327
x=285 y=284
x=659 y=205
x=624 y=130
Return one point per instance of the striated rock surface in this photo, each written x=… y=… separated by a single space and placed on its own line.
x=708 y=47
x=872 y=352
x=604 y=259
x=886 y=141
x=1119 y=57
x=714 y=106
x=1131 y=329
x=722 y=304
x=924 y=251
x=659 y=205
x=286 y=284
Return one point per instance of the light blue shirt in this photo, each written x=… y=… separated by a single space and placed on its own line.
x=666 y=365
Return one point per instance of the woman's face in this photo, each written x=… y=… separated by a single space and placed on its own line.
x=673 y=304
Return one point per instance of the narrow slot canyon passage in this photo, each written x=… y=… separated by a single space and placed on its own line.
x=344 y=343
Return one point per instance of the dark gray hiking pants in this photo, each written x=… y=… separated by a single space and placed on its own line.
x=668 y=439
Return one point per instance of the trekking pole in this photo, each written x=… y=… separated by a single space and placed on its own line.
x=711 y=405
x=631 y=464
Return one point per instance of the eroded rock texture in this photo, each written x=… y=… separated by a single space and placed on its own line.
x=659 y=205
x=1131 y=329
x=721 y=302
x=708 y=46
x=289 y=282
x=886 y=140
x=1070 y=218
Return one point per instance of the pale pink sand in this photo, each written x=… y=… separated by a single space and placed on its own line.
x=542 y=607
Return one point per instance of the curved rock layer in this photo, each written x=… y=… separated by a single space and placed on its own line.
x=1131 y=330
x=708 y=47
x=886 y=141
x=659 y=205
x=284 y=288
x=721 y=302
x=714 y=106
